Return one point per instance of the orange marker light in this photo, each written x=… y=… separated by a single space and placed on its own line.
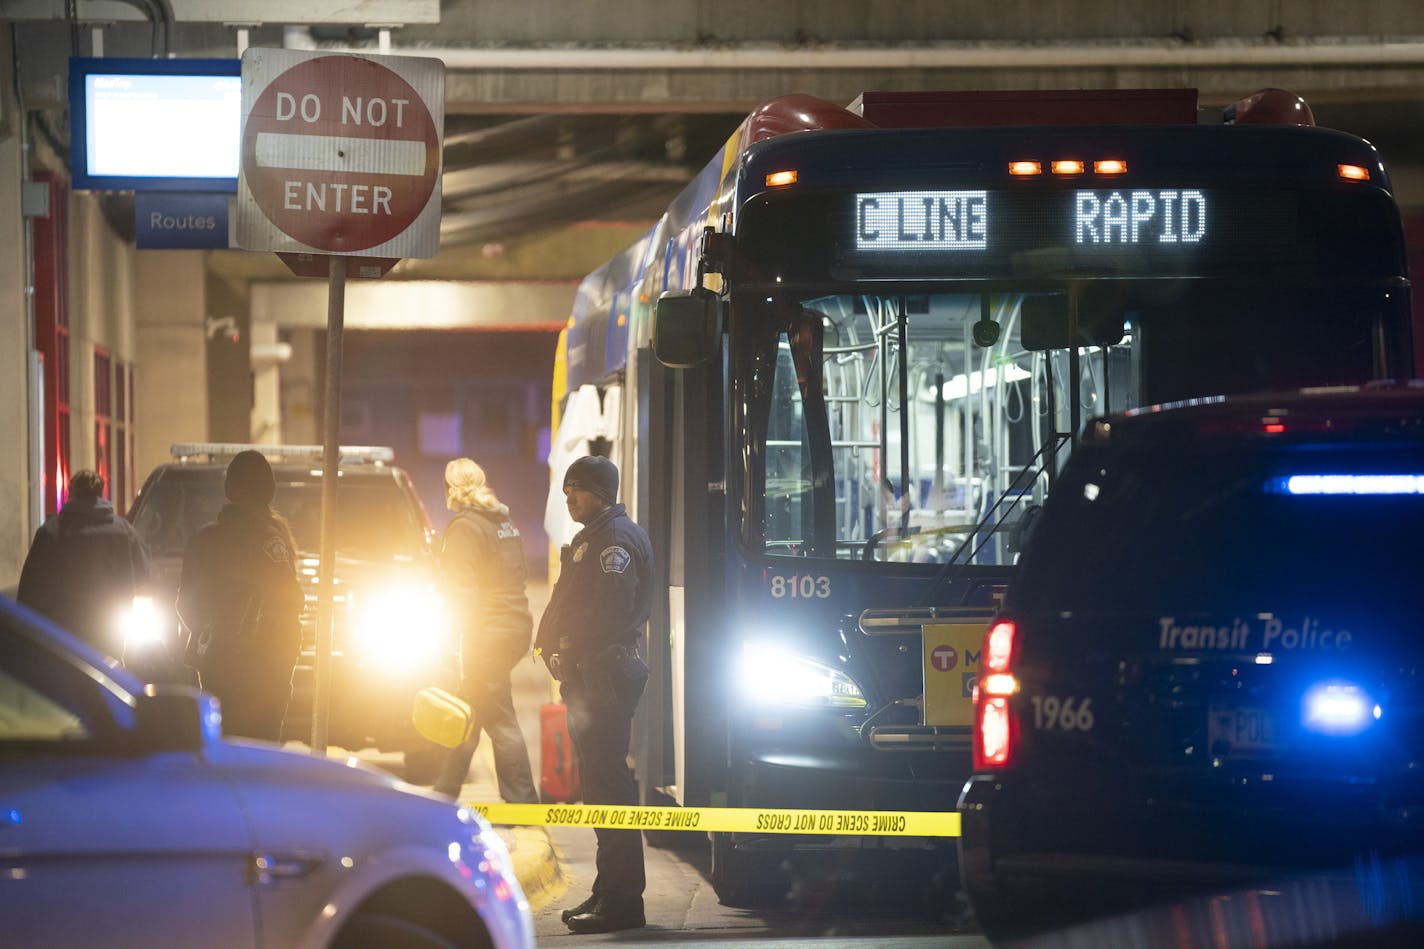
x=1353 y=172
x=1068 y=166
x=1110 y=166
x=1024 y=168
x=780 y=179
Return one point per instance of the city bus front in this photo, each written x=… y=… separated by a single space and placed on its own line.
x=898 y=313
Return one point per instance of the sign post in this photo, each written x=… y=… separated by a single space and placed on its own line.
x=341 y=156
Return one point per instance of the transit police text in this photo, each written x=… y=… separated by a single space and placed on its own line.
x=1239 y=635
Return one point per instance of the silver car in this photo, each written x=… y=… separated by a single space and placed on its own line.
x=126 y=820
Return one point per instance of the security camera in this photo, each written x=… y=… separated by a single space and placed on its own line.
x=985 y=333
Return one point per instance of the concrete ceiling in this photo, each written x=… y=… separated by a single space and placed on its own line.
x=570 y=125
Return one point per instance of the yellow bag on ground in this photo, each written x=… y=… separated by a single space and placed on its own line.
x=443 y=718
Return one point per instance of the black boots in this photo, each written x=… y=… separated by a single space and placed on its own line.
x=595 y=915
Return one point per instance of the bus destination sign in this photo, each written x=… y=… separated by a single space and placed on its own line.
x=919 y=221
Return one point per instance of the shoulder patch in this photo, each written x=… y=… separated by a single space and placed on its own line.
x=276 y=550
x=614 y=559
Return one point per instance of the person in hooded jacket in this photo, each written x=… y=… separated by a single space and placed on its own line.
x=84 y=567
x=241 y=602
x=484 y=572
x=588 y=637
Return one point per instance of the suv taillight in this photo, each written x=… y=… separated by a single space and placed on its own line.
x=995 y=731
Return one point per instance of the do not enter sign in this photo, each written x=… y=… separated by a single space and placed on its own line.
x=341 y=154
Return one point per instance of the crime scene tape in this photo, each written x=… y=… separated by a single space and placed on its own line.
x=740 y=820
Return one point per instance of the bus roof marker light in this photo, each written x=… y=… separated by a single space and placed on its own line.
x=780 y=179
x=1353 y=172
x=1068 y=166
x=1110 y=166
x=1024 y=169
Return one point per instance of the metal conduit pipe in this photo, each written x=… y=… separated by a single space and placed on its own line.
x=976 y=56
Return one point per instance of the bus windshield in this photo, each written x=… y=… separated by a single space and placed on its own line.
x=881 y=429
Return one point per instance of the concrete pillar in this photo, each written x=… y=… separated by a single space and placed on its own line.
x=301 y=387
x=172 y=380
x=268 y=357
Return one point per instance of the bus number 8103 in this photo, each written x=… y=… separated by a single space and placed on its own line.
x=801 y=587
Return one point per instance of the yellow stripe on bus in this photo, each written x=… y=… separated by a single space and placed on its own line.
x=740 y=820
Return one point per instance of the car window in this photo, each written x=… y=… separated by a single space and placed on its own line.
x=49 y=702
x=1170 y=527
x=27 y=715
x=376 y=520
x=173 y=509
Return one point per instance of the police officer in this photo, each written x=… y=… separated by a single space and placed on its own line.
x=241 y=602
x=484 y=571
x=85 y=565
x=588 y=636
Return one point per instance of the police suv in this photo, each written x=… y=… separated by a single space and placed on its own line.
x=1210 y=672
x=392 y=635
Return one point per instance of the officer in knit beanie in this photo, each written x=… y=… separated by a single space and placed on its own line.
x=596 y=475
x=249 y=479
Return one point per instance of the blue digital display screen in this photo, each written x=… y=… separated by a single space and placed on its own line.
x=156 y=125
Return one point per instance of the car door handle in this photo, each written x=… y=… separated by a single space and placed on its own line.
x=268 y=868
x=9 y=817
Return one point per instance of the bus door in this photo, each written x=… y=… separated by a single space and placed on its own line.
x=679 y=753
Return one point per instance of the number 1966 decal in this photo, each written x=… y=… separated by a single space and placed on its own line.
x=800 y=586
x=1063 y=713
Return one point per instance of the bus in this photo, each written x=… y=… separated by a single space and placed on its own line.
x=841 y=370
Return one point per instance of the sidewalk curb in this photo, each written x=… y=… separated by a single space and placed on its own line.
x=538 y=865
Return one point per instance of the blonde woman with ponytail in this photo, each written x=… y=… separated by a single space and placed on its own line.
x=482 y=563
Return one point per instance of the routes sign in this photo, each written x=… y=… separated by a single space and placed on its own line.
x=341 y=154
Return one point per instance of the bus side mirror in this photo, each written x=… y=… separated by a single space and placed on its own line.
x=1043 y=325
x=687 y=326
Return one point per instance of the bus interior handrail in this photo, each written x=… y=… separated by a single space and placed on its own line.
x=1041 y=459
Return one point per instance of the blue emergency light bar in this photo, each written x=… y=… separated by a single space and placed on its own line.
x=1347 y=484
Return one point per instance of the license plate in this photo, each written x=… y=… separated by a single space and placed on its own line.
x=1240 y=731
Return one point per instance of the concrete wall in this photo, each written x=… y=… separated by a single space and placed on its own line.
x=16 y=503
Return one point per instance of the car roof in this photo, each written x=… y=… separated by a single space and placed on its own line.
x=290 y=463
x=1385 y=410
x=285 y=472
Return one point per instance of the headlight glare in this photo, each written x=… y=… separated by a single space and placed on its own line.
x=400 y=625
x=771 y=676
x=142 y=623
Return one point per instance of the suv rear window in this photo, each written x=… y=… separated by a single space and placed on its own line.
x=1184 y=526
x=377 y=519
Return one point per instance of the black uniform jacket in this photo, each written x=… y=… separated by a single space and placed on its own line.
x=82 y=571
x=244 y=561
x=605 y=589
x=482 y=562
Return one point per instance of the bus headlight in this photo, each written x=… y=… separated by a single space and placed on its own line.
x=399 y=626
x=771 y=676
x=142 y=623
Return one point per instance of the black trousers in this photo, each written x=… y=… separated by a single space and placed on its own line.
x=492 y=702
x=600 y=733
x=253 y=693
